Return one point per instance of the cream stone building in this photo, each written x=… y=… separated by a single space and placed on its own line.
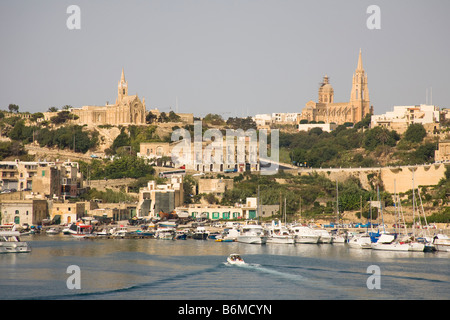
x=442 y=154
x=127 y=110
x=327 y=110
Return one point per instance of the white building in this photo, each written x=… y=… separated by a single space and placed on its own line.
x=402 y=116
x=267 y=119
x=328 y=127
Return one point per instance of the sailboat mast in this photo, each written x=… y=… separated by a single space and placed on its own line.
x=413 y=202
x=395 y=205
x=381 y=207
x=423 y=211
x=337 y=202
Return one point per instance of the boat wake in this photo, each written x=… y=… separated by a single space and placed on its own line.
x=113 y=292
x=259 y=268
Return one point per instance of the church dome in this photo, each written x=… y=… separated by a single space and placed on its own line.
x=326 y=88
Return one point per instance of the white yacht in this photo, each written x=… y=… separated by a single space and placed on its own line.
x=360 y=241
x=304 y=234
x=324 y=235
x=441 y=242
x=277 y=233
x=10 y=242
x=252 y=233
x=339 y=238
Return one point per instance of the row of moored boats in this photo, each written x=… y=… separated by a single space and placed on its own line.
x=301 y=234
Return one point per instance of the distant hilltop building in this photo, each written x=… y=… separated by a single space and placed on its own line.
x=128 y=110
x=328 y=111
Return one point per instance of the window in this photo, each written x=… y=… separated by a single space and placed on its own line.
x=235 y=215
x=226 y=215
x=43 y=173
x=17 y=212
x=215 y=215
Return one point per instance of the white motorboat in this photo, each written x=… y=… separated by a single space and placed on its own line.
x=228 y=235
x=441 y=242
x=70 y=229
x=339 y=238
x=253 y=234
x=10 y=241
x=277 y=233
x=120 y=232
x=165 y=233
x=304 y=234
x=235 y=258
x=360 y=241
x=52 y=231
x=103 y=233
x=324 y=235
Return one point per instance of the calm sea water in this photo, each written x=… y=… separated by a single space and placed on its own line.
x=194 y=269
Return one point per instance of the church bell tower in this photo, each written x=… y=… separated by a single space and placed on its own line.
x=122 y=88
x=359 y=98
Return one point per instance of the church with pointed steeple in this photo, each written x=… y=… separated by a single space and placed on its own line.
x=127 y=110
x=328 y=111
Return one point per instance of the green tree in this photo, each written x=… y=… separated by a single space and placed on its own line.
x=379 y=136
x=415 y=133
x=121 y=140
x=150 y=118
x=13 y=108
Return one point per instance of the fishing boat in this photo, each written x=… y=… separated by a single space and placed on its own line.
x=235 y=258
x=10 y=240
x=83 y=231
x=180 y=235
x=253 y=234
x=304 y=234
x=200 y=234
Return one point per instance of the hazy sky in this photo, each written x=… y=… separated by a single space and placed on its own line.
x=232 y=57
